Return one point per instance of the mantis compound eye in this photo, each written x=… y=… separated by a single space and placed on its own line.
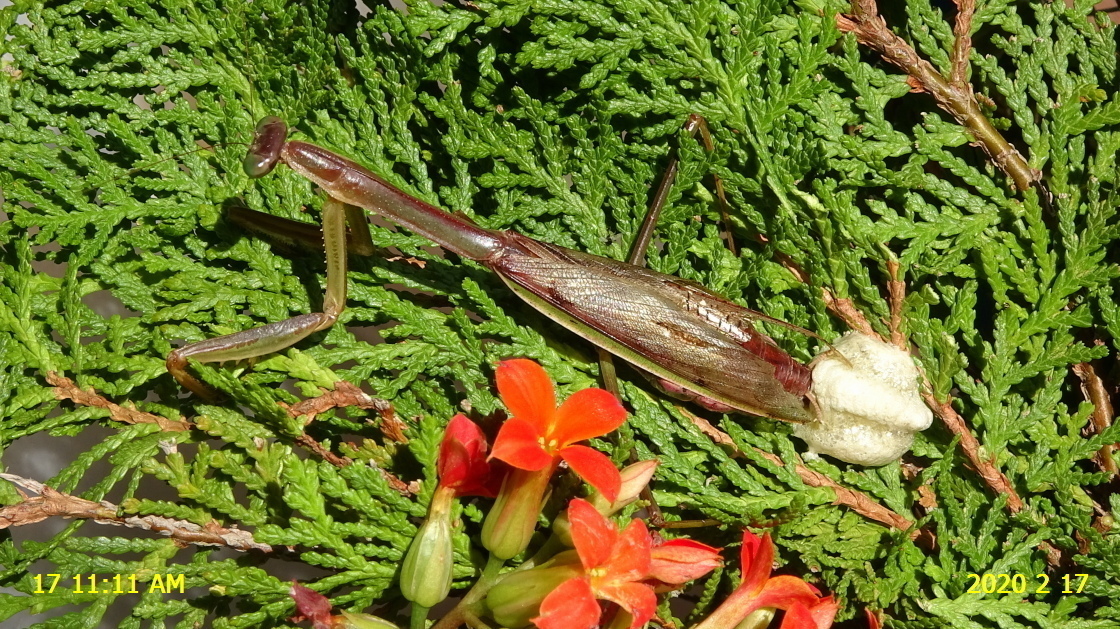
x=268 y=139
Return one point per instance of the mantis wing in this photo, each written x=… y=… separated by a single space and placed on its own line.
x=669 y=327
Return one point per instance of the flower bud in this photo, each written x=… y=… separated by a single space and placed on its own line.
x=510 y=524
x=426 y=572
x=516 y=599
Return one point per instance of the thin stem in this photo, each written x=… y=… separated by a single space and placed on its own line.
x=462 y=611
x=51 y=503
x=694 y=126
x=419 y=618
x=859 y=502
x=551 y=547
x=1097 y=393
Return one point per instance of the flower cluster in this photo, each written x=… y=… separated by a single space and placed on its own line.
x=589 y=559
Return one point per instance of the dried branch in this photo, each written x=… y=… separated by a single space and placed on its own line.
x=344 y=394
x=953 y=95
x=985 y=467
x=52 y=503
x=962 y=44
x=859 y=502
x=66 y=389
x=847 y=311
x=314 y=446
x=337 y=460
x=1097 y=394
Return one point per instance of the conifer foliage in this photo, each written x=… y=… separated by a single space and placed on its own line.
x=864 y=194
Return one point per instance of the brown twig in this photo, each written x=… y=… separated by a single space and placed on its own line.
x=337 y=460
x=986 y=468
x=953 y=95
x=859 y=502
x=346 y=394
x=1095 y=391
x=897 y=290
x=846 y=310
x=66 y=389
x=314 y=446
x=962 y=44
x=52 y=503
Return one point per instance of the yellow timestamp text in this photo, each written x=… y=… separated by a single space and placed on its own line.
x=1020 y=583
x=110 y=584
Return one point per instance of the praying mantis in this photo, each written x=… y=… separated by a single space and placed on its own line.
x=694 y=343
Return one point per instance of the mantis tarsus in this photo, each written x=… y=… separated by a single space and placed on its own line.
x=693 y=341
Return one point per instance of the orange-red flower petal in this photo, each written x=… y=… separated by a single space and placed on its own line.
x=631 y=554
x=757 y=560
x=679 y=561
x=527 y=392
x=585 y=414
x=824 y=612
x=636 y=598
x=798 y=617
x=519 y=444
x=596 y=468
x=614 y=564
x=817 y=616
x=570 y=606
x=759 y=590
x=613 y=556
x=593 y=535
x=783 y=591
x=872 y=619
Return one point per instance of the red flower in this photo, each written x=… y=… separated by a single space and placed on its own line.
x=539 y=435
x=819 y=616
x=462 y=461
x=759 y=589
x=679 y=561
x=872 y=619
x=614 y=565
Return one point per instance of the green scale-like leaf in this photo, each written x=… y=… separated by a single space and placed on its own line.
x=124 y=127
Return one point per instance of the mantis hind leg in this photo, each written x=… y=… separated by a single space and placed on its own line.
x=276 y=336
x=694 y=126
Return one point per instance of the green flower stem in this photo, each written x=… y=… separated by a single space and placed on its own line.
x=478 y=591
x=419 y=616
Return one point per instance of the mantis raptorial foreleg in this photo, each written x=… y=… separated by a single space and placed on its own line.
x=276 y=336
